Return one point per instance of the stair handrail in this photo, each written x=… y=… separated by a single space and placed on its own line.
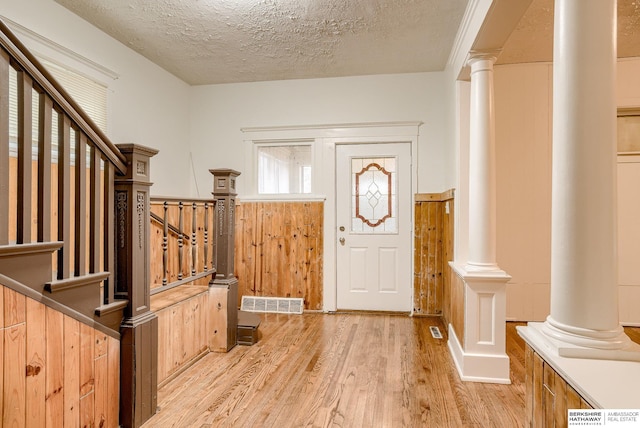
x=31 y=65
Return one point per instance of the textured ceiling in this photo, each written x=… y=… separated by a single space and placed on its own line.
x=532 y=40
x=221 y=41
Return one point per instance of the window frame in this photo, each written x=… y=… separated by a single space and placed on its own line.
x=253 y=176
x=290 y=174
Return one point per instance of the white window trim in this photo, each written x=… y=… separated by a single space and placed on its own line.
x=256 y=145
x=251 y=170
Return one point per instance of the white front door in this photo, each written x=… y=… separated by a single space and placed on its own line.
x=373 y=220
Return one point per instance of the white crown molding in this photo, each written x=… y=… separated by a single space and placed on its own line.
x=462 y=31
x=331 y=126
x=338 y=130
x=26 y=34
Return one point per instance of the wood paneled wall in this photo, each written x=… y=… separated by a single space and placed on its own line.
x=455 y=307
x=191 y=322
x=182 y=327
x=56 y=371
x=548 y=396
x=433 y=249
x=279 y=250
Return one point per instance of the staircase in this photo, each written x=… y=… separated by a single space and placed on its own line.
x=74 y=210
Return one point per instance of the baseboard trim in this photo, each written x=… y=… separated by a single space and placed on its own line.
x=486 y=368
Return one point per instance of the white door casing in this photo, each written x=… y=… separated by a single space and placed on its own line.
x=373 y=237
x=326 y=138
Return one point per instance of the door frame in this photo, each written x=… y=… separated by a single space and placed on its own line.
x=400 y=150
x=385 y=134
x=324 y=139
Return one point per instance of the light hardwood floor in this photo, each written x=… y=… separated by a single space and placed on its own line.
x=343 y=370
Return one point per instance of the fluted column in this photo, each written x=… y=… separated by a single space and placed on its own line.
x=584 y=290
x=482 y=175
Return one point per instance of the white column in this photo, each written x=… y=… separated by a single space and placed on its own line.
x=584 y=298
x=482 y=175
x=478 y=350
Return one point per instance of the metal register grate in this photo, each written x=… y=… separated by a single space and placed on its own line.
x=281 y=305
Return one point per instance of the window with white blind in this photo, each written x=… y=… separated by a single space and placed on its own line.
x=89 y=94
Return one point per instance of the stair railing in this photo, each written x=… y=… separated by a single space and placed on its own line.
x=182 y=242
x=67 y=191
x=57 y=171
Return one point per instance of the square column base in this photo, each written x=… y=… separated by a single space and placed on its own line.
x=479 y=351
x=487 y=368
x=223 y=316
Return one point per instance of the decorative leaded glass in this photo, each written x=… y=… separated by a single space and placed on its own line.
x=374 y=195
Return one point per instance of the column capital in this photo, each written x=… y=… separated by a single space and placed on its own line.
x=474 y=58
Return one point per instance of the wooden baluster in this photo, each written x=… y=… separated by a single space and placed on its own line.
x=94 y=210
x=64 y=197
x=165 y=243
x=194 y=246
x=44 y=168
x=180 y=240
x=4 y=148
x=80 y=238
x=214 y=230
x=25 y=157
x=109 y=242
x=206 y=236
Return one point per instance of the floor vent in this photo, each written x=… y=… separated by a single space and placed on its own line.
x=435 y=332
x=280 y=305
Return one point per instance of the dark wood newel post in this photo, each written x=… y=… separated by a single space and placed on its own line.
x=139 y=329
x=224 y=193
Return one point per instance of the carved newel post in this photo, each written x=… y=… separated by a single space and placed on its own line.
x=224 y=193
x=139 y=329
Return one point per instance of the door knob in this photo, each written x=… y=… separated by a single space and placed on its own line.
x=341 y=241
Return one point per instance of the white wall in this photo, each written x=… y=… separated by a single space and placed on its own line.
x=147 y=105
x=523 y=101
x=151 y=107
x=218 y=112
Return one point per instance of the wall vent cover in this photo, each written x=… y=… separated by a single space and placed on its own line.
x=280 y=305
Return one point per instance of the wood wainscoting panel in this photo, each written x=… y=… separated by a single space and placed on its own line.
x=457 y=305
x=182 y=329
x=548 y=397
x=14 y=380
x=36 y=353
x=71 y=386
x=433 y=249
x=50 y=367
x=448 y=225
x=278 y=250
